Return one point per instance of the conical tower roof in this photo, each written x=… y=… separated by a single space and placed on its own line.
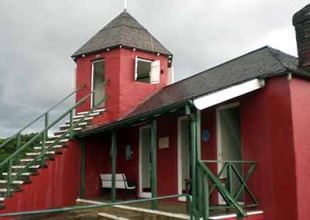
x=123 y=30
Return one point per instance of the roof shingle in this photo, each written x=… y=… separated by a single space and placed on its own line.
x=123 y=30
x=262 y=63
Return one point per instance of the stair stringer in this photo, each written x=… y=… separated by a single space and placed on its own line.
x=56 y=186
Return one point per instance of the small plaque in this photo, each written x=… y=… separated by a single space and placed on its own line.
x=205 y=136
x=163 y=143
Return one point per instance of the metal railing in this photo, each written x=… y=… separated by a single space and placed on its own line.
x=73 y=208
x=229 y=182
x=43 y=136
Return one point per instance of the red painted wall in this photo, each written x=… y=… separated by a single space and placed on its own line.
x=300 y=90
x=56 y=186
x=123 y=91
x=98 y=159
x=267 y=138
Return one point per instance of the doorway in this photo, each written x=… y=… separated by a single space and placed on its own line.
x=145 y=162
x=98 y=86
x=183 y=155
x=229 y=142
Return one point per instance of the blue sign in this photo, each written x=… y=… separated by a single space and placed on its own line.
x=205 y=136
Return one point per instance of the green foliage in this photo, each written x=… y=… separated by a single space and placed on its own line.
x=11 y=147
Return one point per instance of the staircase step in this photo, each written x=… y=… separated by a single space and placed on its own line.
x=5 y=190
x=54 y=147
x=65 y=126
x=17 y=182
x=95 y=111
x=76 y=120
x=56 y=136
x=61 y=141
x=38 y=153
x=2 y=199
x=26 y=160
x=63 y=131
x=21 y=167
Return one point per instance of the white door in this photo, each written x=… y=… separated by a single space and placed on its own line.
x=183 y=154
x=229 y=141
x=145 y=162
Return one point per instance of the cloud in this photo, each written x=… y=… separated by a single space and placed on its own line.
x=38 y=37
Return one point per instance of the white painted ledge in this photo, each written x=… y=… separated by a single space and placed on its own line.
x=223 y=95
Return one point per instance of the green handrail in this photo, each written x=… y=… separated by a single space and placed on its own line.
x=224 y=193
x=17 y=135
x=42 y=155
x=43 y=135
x=64 y=209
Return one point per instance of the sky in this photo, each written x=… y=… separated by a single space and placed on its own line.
x=38 y=37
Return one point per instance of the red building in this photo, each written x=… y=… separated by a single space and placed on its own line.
x=234 y=136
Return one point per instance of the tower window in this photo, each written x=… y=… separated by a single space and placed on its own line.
x=147 y=71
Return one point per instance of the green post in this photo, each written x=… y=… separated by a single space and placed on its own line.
x=113 y=152
x=9 y=180
x=199 y=183
x=18 y=145
x=154 y=163
x=193 y=164
x=71 y=125
x=44 y=138
x=82 y=182
x=205 y=196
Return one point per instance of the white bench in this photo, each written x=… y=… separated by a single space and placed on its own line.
x=121 y=182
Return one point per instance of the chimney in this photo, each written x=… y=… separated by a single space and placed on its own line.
x=301 y=21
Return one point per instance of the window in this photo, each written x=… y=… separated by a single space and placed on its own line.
x=98 y=85
x=147 y=71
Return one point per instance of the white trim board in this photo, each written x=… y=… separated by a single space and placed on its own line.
x=234 y=215
x=141 y=193
x=223 y=95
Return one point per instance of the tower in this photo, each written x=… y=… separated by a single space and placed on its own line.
x=134 y=64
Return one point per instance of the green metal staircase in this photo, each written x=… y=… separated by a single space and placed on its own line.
x=25 y=161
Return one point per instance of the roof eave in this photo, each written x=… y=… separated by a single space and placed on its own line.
x=135 y=119
x=76 y=55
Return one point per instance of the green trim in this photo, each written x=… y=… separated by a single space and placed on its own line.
x=134 y=119
x=113 y=154
x=154 y=162
x=73 y=208
x=82 y=181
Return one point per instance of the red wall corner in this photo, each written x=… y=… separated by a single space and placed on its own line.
x=56 y=186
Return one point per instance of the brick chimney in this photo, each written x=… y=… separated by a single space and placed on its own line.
x=301 y=21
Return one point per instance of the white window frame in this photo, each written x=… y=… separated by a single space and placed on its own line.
x=92 y=80
x=154 y=64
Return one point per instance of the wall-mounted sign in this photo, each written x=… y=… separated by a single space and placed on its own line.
x=163 y=143
x=205 y=136
x=128 y=152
